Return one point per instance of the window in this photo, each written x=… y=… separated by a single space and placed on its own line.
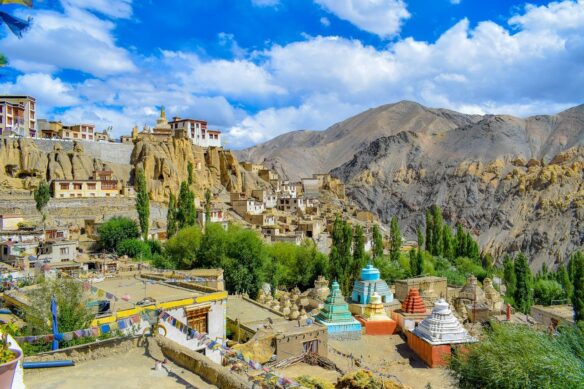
x=91 y=186
x=77 y=186
x=64 y=250
x=198 y=318
x=64 y=185
x=84 y=136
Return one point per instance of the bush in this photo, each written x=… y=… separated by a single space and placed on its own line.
x=546 y=291
x=134 y=248
x=115 y=230
x=516 y=356
x=182 y=248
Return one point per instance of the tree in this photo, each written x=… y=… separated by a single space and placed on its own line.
x=460 y=241
x=182 y=248
x=509 y=276
x=420 y=238
x=429 y=232
x=340 y=257
x=207 y=206
x=395 y=237
x=359 y=248
x=546 y=292
x=190 y=173
x=42 y=195
x=115 y=230
x=213 y=247
x=134 y=248
x=377 y=242
x=437 y=223
x=523 y=290
x=186 y=214
x=420 y=260
x=142 y=202
x=518 y=356
x=171 y=224
x=72 y=311
x=563 y=278
x=578 y=294
x=447 y=243
x=414 y=271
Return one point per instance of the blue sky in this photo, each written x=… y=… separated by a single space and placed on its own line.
x=259 y=68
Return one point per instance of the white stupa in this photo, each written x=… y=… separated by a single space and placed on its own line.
x=441 y=327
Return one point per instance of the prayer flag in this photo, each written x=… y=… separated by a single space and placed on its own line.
x=105 y=328
x=26 y=3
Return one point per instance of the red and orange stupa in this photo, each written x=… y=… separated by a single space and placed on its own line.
x=412 y=311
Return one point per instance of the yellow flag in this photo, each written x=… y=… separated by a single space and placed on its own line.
x=26 y=3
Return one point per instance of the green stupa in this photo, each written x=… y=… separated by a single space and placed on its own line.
x=335 y=315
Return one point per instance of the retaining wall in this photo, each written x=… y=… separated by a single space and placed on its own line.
x=119 y=153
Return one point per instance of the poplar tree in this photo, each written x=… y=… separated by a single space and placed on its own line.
x=359 y=258
x=420 y=239
x=341 y=258
x=429 y=232
x=447 y=243
x=437 y=224
x=190 y=173
x=460 y=241
x=509 y=276
x=142 y=202
x=578 y=295
x=564 y=279
x=42 y=195
x=395 y=236
x=207 y=206
x=524 y=284
x=414 y=263
x=186 y=215
x=377 y=242
x=171 y=225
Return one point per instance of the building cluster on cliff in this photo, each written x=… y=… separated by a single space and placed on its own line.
x=18 y=119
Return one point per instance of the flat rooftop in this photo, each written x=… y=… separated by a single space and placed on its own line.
x=138 y=289
x=250 y=314
x=565 y=311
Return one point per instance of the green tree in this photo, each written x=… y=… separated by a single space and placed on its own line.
x=190 y=173
x=395 y=237
x=564 y=279
x=213 y=247
x=524 y=284
x=578 y=294
x=429 y=232
x=186 y=214
x=115 y=230
x=42 y=195
x=447 y=243
x=517 y=356
x=359 y=259
x=420 y=260
x=171 y=222
x=437 y=226
x=546 y=292
x=72 y=311
x=420 y=238
x=207 y=206
x=509 y=276
x=340 y=257
x=460 y=241
x=182 y=248
x=414 y=271
x=142 y=202
x=134 y=248
x=377 y=242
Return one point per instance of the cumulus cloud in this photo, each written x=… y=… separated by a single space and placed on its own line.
x=380 y=17
x=75 y=39
x=49 y=91
x=114 y=9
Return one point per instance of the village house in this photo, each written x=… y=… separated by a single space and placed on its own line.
x=268 y=175
x=14 y=253
x=78 y=132
x=10 y=222
x=291 y=204
x=102 y=136
x=288 y=189
x=248 y=206
x=197 y=132
x=270 y=200
x=18 y=116
x=311 y=228
x=265 y=219
x=295 y=238
x=252 y=167
x=101 y=185
x=311 y=186
x=57 y=251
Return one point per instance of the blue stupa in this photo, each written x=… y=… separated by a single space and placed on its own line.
x=370 y=282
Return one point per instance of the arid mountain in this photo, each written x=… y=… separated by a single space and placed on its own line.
x=508 y=179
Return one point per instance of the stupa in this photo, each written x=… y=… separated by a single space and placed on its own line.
x=433 y=337
x=337 y=318
x=370 y=282
x=412 y=311
x=375 y=319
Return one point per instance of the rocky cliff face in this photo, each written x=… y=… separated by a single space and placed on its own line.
x=511 y=203
x=23 y=164
x=165 y=165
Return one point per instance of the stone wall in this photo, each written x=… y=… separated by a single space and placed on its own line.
x=90 y=351
x=201 y=365
x=119 y=153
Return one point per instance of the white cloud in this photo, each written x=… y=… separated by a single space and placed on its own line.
x=380 y=17
x=48 y=91
x=75 y=39
x=265 y=3
x=325 y=21
x=114 y=9
x=455 y=2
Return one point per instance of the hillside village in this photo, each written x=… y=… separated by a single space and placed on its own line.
x=366 y=304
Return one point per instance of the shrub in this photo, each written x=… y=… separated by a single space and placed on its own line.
x=115 y=230
x=134 y=248
x=546 y=291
